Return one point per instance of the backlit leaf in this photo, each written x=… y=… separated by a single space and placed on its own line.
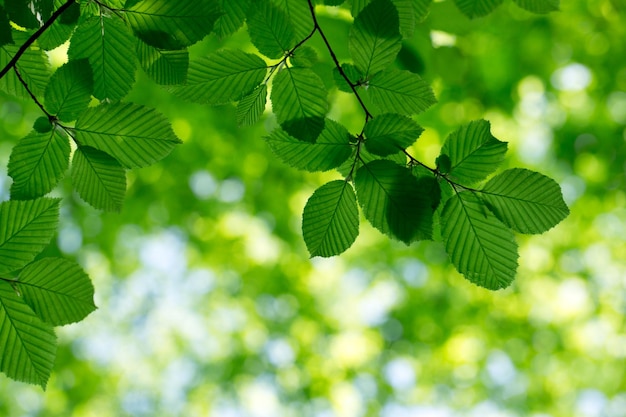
x=477 y=8
x=400 y=91
x=234 y=14
x=165 y=67
x=251 y=107
x=32 y=66
x=389 y=133
x=538 y=6
x=98 y=178
x=69 y=90
x=270 y=30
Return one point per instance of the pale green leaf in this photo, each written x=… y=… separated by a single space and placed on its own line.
x=98 y=178
x=538 y=6
x=474 y=153
x=526 y=201
x=27 y=344
x=477 y=8
x=37 y=163
x=69 y=90
x=389 y=133
x=165 y=67
x=375 y=38
x=234 y=14
x=400 y=91
x=300 y=15
x=330 y=221
x=479 y=245
x=26 y=227
x=251 y=107
x=304 y=56
x=57 y=290
x=330 y=150
x=222 y=77
x=270 y=30
x=134 y=135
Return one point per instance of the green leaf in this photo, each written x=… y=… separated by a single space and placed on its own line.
x=479 y=245
x=351 y=72
x=57 y=290
x=33 y=67
x=398 y=91
x=330 y=150
x=133 y=134
x=69 y=90
x=526 y=201
x=21 y=13
x=62 y=28
x=421 y=8
x=538 y=6
x=477 y=8
x=474 y=153
x=165 y=67
x=299 y=14
x=232 y=19
x=42 y=124
x=358 y=6
x=444 y=164
x=406 y=17
x=37 y=163
x=6 y=36
x=99 y=179
x=330 y=221
x=270 y=30
x=110 y=48
x=27 y=345
x=26 y=227
x=375 y=38
x=222 y=77
x=392 y=201
x=167 y=24
x=251 y=107
x=390 y=133
x=304 y=56
x=299 y=102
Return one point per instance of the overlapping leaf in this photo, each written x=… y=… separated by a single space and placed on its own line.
x=69 y=90
x=389 y=133
x=26 y=227
x=399 y=91
x=27 y=344
x=6 y=36
x=271 y=30
x=477 y=8
x=166 y=67
x=251 y=107
x=234 y=14
x=421 y=8
x=59 y=32
x=134 y=135
x=406 y=17
x=526 y=201
x=538 y=6
x=330 y=221
x=32 y=66
x=98 y=178
x=479 y=245
x=300 y=16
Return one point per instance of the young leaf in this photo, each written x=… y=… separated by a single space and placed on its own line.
x=479 y=245
x=477 y=8
x=270 y=30
x=304 y=56
x=251 y=107
x=299 y=102
x=27 y=345
x=110 y=48
x=400 y=91
x=330 y=150
x=69 y=90
x=375 y=38
x=390 y=133
x=392 y=201
x=165 y=67
x=26 y=227
x=58 y=291
x=172 y=24
x=222 y=77
x=233 y=17
x=98 y=178
x=134 y=135
x=538 y=6
x=526 y=201
x=474 y=153
x=330 y=221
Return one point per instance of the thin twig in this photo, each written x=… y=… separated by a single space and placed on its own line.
x=32 y=95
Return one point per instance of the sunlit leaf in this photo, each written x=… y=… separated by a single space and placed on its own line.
x=165 y=67
x=389 y=133
x=421 y=8
x=32 y=66
x=304 y=56
x=270 y=30
x=98 y=178
x=234 y=14
x=538 y=6
x=251 y=107
x=69 y=90
x=400 y=91
x=477 y=8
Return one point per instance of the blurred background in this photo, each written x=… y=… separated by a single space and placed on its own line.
x=210 y=306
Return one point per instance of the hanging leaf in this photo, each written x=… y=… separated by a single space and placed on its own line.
x=477 y=8
x=526 y=201
x=300 y=15
x=251 y=107
x=479 y=245
x=270 y=30
x=32 y=66
x=98 y=178
x=406 y=17
x=399 y=91
x=538 y=6
x=390 y=133
x=351 y=72
x=234 y=14
x=474 y=153
x=6 y=37
x=421 y=8
x=165 y=67
x=62 y=28
x=26 y=227
x=27 y=345
x=330 y=221
x=304 y=56
x=134 y=135
x=69 y=90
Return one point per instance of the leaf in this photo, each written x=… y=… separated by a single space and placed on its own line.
x=133 y=134
x=300 y=15
x=330 y=221
x=27 y=345
x=479 y=245
x=21 y=13
x=353 y=75
x=251 y=107
x=421 y=8
x=474 y=153
x=299 y=102
x=538 y=6
x=167 y=24
x=222 y=77
x=33 y=67
x=390 y=133
x=406 y=17
x=233 y=17
x=375 y=38
x=165 y=67
x=59 y=32
x=110 y=48
x=270 y=30
x=304 y=56
x=477 y=8
x=57 y=290
x=330 y=150
x=392 y=201
x=526 y=201
x=6 y=36
x=69 y=90
x=37 y=163
x=98 y=178
x=26 y=227
x=398 y=91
